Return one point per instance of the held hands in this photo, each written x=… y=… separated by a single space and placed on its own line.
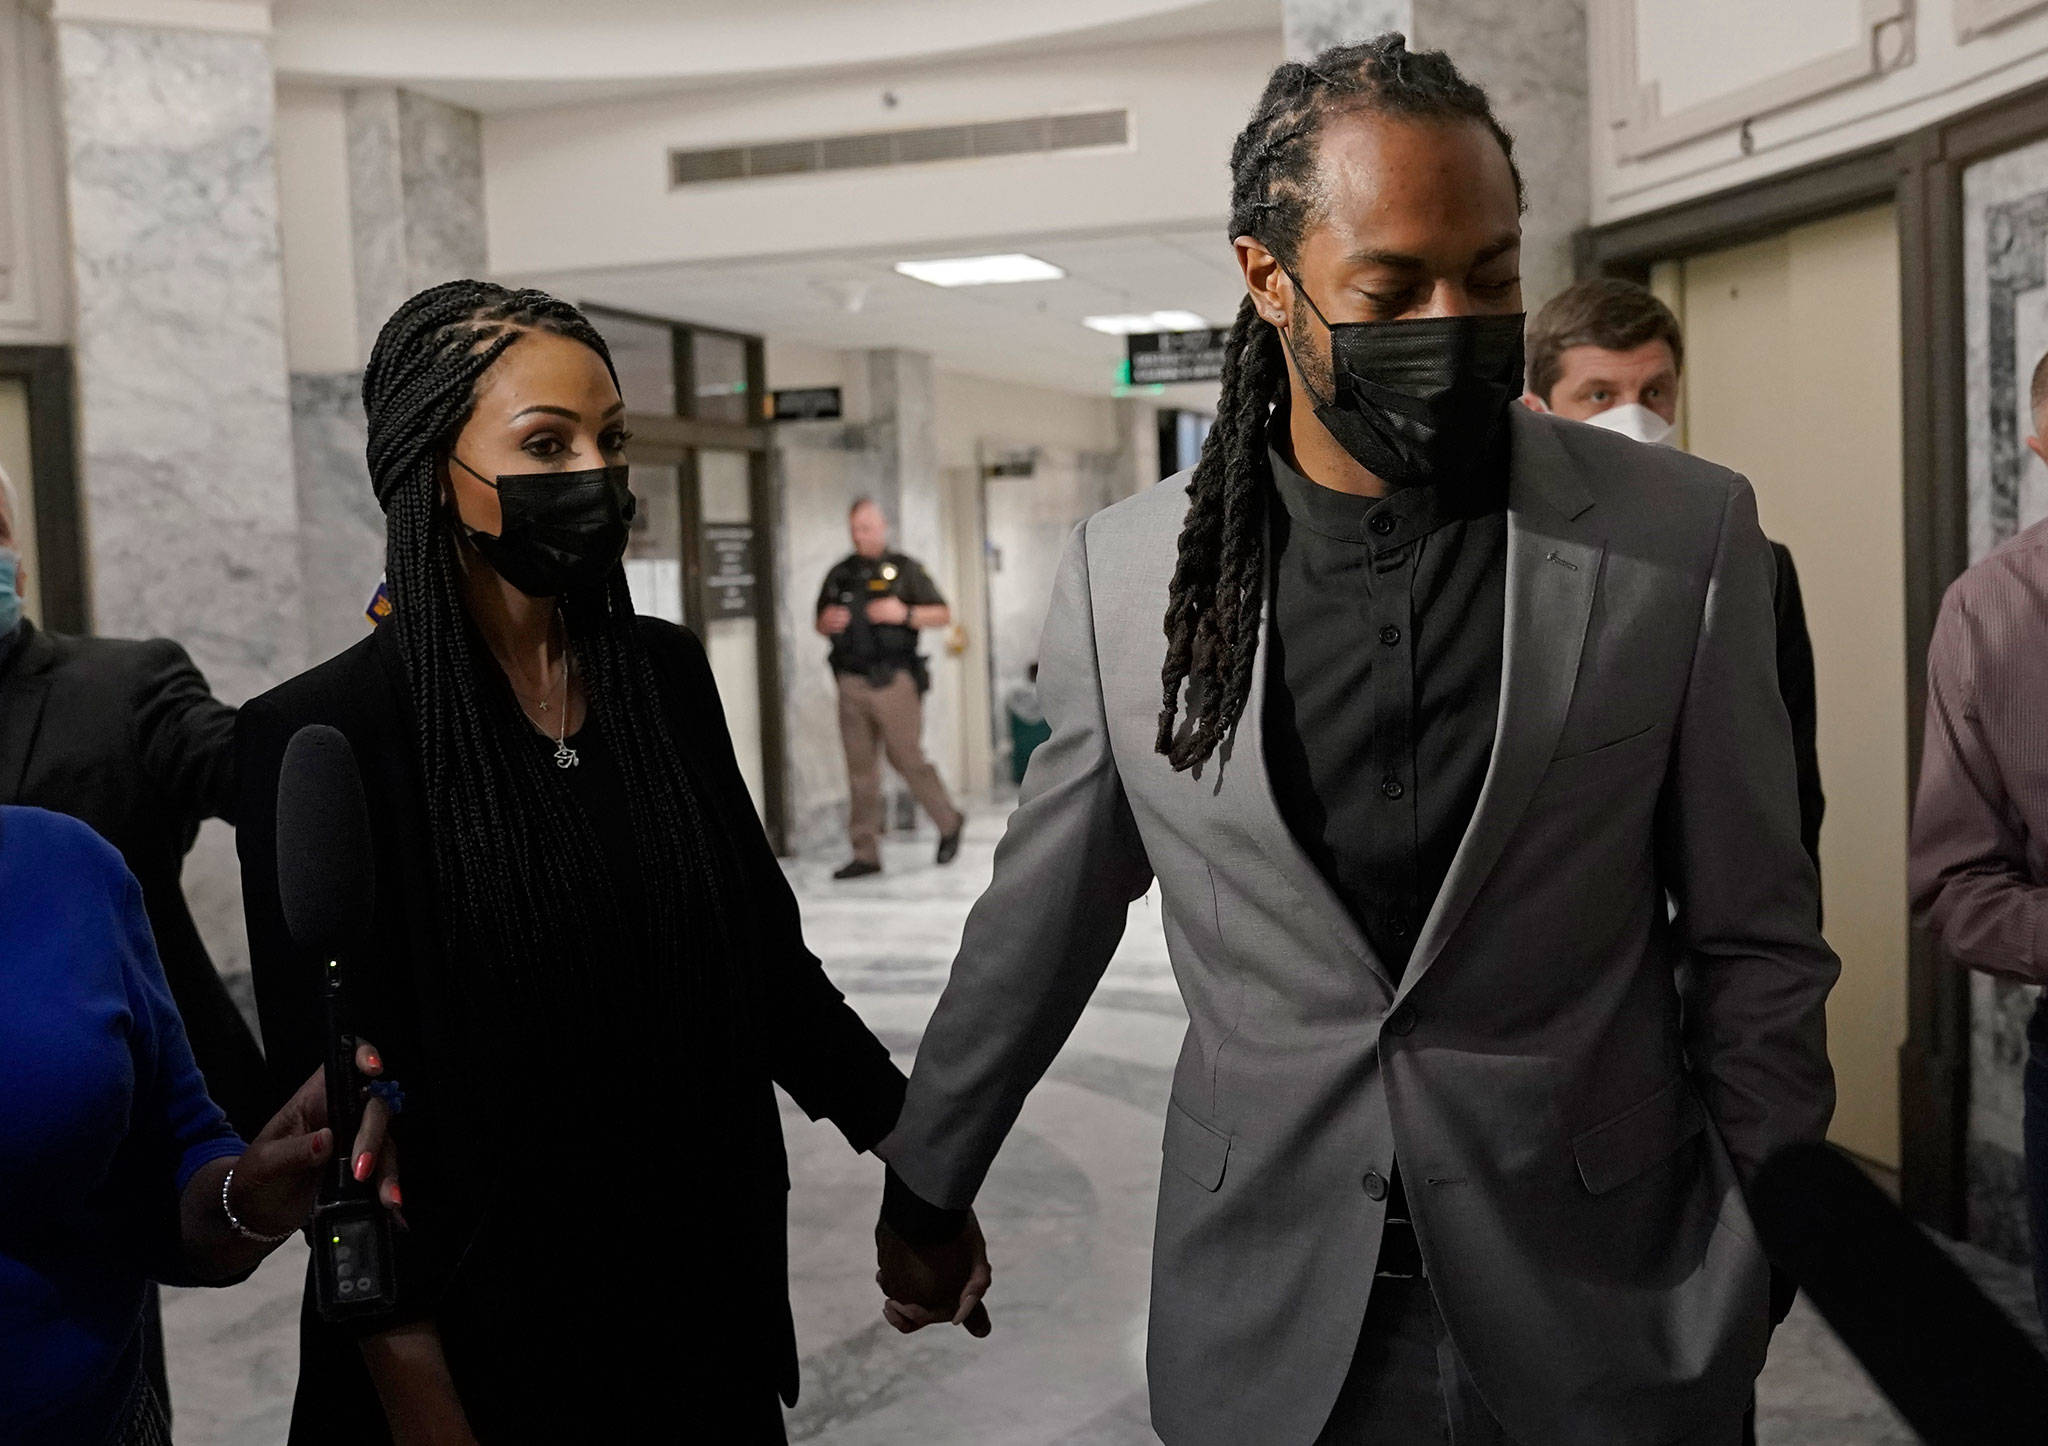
x=892 y=612
x=279 y=1174
x=932 y=1284
x=834 y=620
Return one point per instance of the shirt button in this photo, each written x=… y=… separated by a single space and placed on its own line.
x=1382 y=523
x=1390 y=635
x=1392 y=788
x=1402 y=1020
x=1375 y=1185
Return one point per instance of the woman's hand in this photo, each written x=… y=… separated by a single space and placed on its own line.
x=277 y=1179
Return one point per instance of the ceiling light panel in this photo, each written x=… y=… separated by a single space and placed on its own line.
x=981 y=270
x=1128 y=323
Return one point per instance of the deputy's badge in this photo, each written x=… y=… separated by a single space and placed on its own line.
x=380 y=603
x=889 y=572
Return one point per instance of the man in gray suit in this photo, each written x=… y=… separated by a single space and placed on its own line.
x=1472 y=805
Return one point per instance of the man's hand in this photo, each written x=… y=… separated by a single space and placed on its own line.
x=890 y=612
x=932 y=1284
x=834 y=620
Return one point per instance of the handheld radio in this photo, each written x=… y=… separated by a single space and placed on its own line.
x=327 y=887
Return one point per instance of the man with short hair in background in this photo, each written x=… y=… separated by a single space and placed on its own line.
x=1979 y=856
x=872 y=607
x=1608 y=352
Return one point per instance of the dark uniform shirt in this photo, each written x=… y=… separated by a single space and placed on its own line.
x=878 y=651
x=1384 y=691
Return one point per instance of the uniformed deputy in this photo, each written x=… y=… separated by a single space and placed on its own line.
x=872 y=606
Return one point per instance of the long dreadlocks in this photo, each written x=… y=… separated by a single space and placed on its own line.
x=530 y=917
x=1219 y=580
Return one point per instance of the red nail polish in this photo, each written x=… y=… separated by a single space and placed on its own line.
x=374 y=1062
x=397 y=1197
x=363 y=1163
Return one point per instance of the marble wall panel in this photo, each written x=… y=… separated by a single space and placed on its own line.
x=341 y=537
x=903 y=407
x=1530 y=57
x=820 y=470
x=416 y=202
x=184 y=418
x=1311 y=26
x=2005 y=307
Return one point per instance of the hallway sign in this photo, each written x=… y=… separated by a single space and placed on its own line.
x=1160 y=358
x=808 y=404
x=729 y=569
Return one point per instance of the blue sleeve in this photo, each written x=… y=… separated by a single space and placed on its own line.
x=174 y=1118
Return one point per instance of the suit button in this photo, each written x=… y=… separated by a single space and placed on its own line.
x=1375 y=1185
x=1382 y=523
x=1392 y=788
x=1390 y=635
x=1402 y=1020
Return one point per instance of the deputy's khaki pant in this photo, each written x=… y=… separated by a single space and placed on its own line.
x=888 y=720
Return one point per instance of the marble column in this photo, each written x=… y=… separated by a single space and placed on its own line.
x=1309 y=27
x=416 y=198
x=184 y=417
x=416 y=217
x=1531 y=59
x=903 y=429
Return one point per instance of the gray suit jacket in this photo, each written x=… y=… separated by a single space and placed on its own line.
x=1575 y=1076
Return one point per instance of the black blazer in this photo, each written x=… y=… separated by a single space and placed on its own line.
x=813 y=1045
x=1795 y=684
x=125 y=737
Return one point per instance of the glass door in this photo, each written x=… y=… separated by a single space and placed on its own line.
x=700 y=552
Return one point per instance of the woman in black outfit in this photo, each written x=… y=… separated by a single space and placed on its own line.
x=586 y=968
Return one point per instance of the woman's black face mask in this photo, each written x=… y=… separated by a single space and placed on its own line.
x=560 y=531
x=1418 y=401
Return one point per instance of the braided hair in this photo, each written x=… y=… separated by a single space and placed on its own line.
x=530 y=921
x=1219 y=579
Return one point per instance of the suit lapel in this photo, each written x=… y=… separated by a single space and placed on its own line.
x=1553 y=570
x=24 y=688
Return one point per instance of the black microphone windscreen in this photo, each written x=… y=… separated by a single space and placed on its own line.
x=326 y=877
x=1951 y=1362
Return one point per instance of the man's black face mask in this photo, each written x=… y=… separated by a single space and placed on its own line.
x=1418 y=401
x=560 y=530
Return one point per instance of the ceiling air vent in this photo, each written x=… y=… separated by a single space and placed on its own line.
x=873 y=149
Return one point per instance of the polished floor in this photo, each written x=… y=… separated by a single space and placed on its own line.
x=1068 y=1213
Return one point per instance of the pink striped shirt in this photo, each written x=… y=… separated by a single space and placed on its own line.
x=1979 y=868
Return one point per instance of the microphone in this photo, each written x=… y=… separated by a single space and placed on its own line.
x=1949 y=1360
x=327 y=887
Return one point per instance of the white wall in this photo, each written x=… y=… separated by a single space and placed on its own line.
x=319 y=260
x=1705 y=55
x=972 y=411
x=587 y=186
x=35 y=293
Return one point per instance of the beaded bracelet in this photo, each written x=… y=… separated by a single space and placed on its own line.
x=239 y=1228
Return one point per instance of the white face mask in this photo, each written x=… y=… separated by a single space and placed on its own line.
x=1635 y=420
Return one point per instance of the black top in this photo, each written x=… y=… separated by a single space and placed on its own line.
x=503 y=1213
x=877 y=651
x=126 y=737
x=1384 y=684
x=600 y=792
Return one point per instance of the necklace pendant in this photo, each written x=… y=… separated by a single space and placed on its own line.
x=565 y=756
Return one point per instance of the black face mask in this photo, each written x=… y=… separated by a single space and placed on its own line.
x=561 y=530
x=1418 y=401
